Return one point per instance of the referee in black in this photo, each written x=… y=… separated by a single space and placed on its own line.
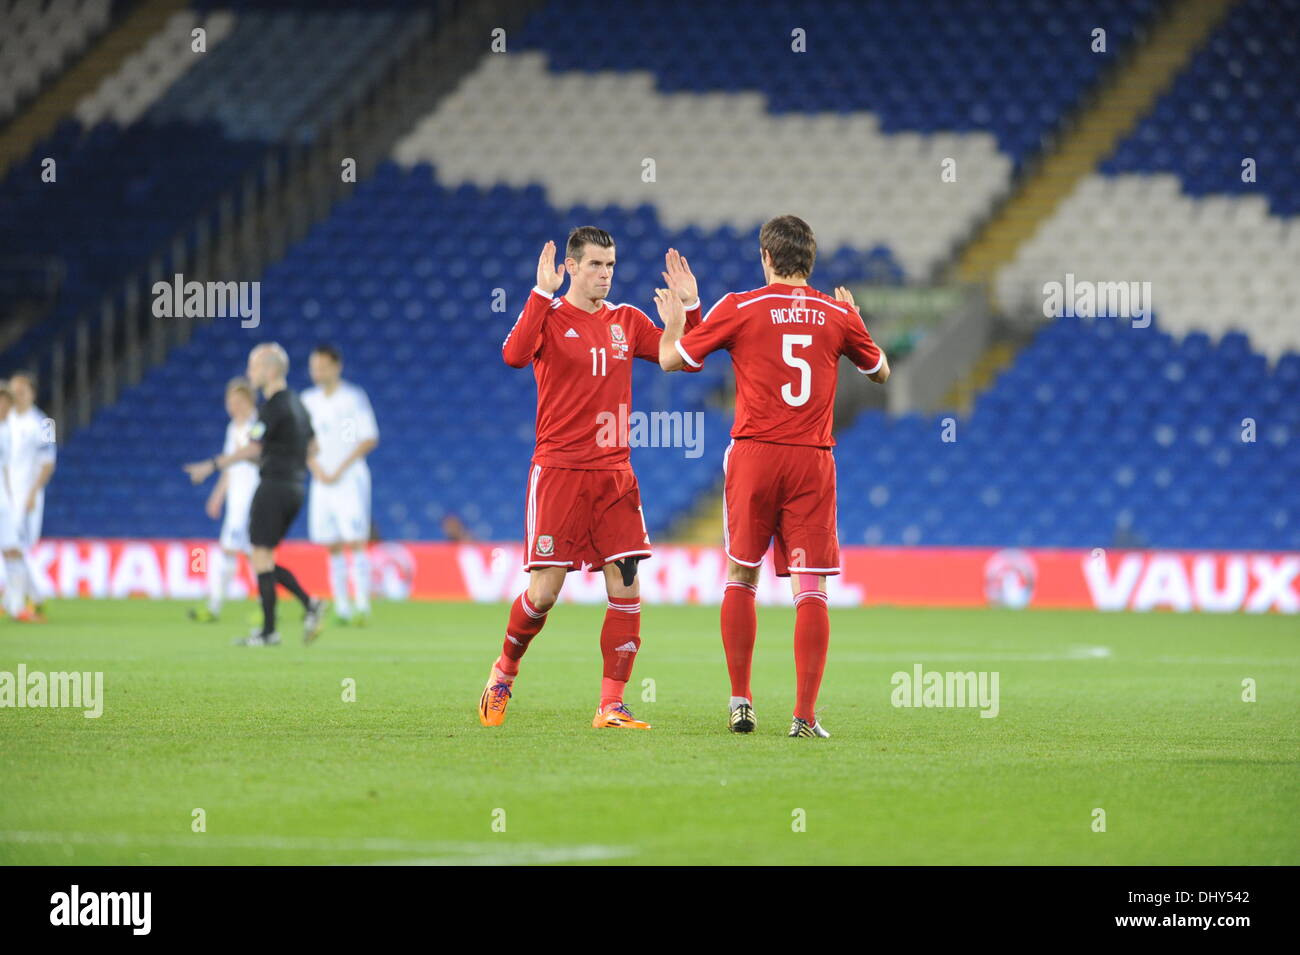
x=283 y=438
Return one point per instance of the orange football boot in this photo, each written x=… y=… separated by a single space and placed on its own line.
x=617 y=716
x=496 y=696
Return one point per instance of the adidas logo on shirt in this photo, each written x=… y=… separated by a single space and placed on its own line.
x=570 y=334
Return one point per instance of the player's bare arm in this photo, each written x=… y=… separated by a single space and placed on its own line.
x=673 y=315
x=881 y=375
x=360 y=451
x=42 y=479
x=314 y=468
x=200 y=471
x=218 y=496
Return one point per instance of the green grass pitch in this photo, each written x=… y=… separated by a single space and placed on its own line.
x=1138 y=715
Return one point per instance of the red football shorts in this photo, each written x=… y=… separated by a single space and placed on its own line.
x=786 y=491
x=582 y=520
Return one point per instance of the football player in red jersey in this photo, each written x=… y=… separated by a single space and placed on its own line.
x=785 y=340
x=583 y=507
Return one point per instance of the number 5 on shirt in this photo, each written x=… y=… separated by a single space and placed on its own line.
x=788 y=345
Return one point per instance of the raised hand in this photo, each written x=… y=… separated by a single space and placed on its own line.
x=842 y=294
x=679 y=277
x=549 y=276
x=670 y=308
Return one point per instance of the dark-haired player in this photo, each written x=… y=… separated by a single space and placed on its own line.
x=338 y=505
x=583 y=508
x=785 y=340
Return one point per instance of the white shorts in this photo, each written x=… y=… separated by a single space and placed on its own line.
x=234 y=528
x=9 y=529
x=29 y=524
x=234 y=534
x=339 y=512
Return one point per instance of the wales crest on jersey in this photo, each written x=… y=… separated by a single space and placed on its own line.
x=618 y=340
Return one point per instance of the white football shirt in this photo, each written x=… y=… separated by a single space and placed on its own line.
x=341 y=422
x=4 y=465
x=31 y=444
x=243 y=476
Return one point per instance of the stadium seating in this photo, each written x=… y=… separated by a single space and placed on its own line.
x=38 y=40
x=402 y=277
x=1239 y=97
x=141 y=81
x=286 y=75
x=1170 y=206
x=1098 y=434
x=729 y=121
x=121 y=194
x=713 y=155
x=1101 y=434
x=171 y=131
x=1009 y=68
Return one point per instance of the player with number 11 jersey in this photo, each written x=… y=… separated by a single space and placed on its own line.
x=583 y=506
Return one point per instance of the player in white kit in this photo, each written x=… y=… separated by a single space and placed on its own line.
x=235 y=490
x=338 y=509
x=15 y=572
x=28 y=468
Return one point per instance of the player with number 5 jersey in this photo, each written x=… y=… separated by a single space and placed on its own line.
x=785 y=340
x=583 y=506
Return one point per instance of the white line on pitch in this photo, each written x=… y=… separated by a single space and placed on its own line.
x=429 y=853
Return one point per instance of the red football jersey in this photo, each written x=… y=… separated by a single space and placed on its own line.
x=785 y=343
x=583 y=365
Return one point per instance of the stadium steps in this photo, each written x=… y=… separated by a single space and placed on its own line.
x=1113 y=115
x=996 y=359
x=102 y=60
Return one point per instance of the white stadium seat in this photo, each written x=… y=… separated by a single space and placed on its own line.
x=719 y=150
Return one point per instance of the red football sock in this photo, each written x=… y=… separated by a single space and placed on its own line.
x=812 y=636
x=525 y=623
x=739 y=629
x=620 y=638
x=611 y=691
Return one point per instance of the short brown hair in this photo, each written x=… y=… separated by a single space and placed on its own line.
x=791 y=244
x=586 y=235
x=242 y=386
x=329 y=351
